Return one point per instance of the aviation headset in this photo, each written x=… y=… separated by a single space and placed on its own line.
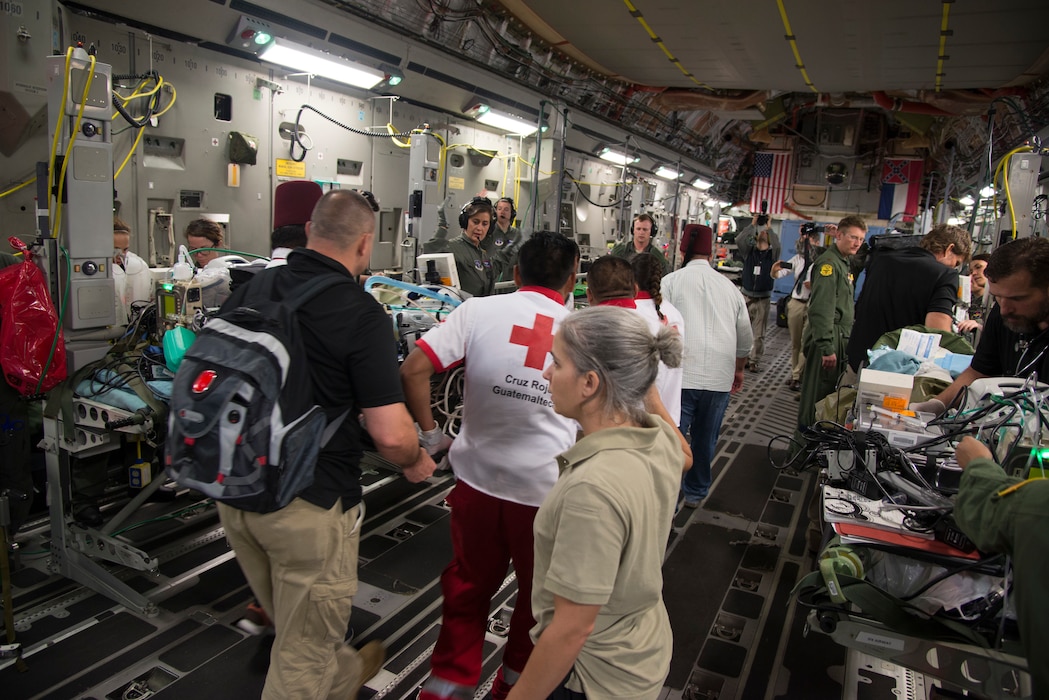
x=651 y=219
x=839 y=559
x=464 y=215
x=513 y=209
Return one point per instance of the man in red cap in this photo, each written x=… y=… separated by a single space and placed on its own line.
x=717 y=341
x=293 y=203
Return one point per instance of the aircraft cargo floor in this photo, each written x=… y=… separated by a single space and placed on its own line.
x=729 y=570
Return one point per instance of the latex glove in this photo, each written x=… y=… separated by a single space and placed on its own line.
x=934 y=406
x=434 y=441
x=442 y=212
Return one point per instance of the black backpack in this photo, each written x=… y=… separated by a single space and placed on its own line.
x=243 y=427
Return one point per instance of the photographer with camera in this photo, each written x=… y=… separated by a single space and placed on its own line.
x=759 y=248
x=807 y=250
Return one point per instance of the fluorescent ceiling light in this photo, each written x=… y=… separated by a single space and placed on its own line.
x=967 y=201
x=616 y=157
x=667 y=173
x=701 y=184
x=711 y=202
x=500 y=120
x=300 y=58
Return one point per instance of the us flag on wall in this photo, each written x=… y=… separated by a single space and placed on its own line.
x=773 y=172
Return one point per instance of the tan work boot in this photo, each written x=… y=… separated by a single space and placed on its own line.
x=372 y=654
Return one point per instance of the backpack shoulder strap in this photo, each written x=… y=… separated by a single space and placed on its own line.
x=313 y=288
x=299 y=297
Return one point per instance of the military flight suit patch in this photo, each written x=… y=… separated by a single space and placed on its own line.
x=826 y=270
x=477 y=264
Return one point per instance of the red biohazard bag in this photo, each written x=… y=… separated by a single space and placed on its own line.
x=28 y=326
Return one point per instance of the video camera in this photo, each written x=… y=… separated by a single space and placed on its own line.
x=763 y=217
x=810 y=229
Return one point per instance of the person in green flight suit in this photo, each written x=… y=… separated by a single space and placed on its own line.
x=503 y=240
x=1002 y=513
x=642 y=231
x=476 y=273
x=830 y=318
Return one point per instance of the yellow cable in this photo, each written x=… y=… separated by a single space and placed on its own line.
x=391 y=129
x=69 y=147
x=1009 y=198
x=636 y=14
x=440 y=165
x=506 y=169
x=134 y=147
x=14 y=189
x=943 y=44
x=1003 y=168
x=174 y=96
x=58 y=128
x=798 y=63
x=135 y=94
x=517 y=179
x=142 y=129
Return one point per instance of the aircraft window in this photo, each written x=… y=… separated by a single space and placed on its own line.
x=223 y=107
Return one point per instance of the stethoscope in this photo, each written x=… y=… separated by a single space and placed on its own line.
x=1025 y=345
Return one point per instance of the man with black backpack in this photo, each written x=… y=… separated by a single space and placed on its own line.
x=301 y=559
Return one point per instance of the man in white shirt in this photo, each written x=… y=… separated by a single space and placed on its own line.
x=718 y=338
x=504 y=456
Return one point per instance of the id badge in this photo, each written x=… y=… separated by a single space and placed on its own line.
x=757 y=270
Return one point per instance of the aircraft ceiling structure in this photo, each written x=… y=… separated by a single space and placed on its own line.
x=718 y=80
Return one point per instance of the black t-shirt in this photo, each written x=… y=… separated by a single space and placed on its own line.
x=353 y=363
x=1004 y=353
x=901 y=287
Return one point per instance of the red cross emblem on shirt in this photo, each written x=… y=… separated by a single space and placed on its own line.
x=539 y=339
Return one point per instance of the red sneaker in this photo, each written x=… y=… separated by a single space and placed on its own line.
x=500 y=687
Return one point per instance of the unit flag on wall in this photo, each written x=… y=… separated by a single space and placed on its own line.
x=901 y=185
x=773 y=174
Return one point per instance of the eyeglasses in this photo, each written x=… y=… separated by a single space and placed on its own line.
x=373 y=202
